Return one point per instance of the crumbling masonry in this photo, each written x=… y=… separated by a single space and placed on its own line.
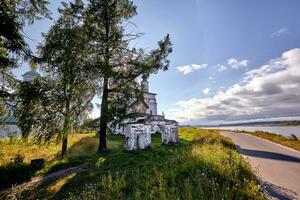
x=138 y=133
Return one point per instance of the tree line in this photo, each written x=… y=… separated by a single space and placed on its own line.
x=86 y=52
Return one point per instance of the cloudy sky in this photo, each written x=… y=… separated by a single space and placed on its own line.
x=233 y=60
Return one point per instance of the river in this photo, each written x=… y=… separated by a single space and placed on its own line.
x=282 y=130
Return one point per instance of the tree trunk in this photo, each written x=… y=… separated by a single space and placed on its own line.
x=64 y=146
x=103 y=118
x=66 y=131
x=104 y=104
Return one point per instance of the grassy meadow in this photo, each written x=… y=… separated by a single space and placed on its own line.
x=204 y=165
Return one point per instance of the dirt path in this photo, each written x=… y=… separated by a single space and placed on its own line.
x=43 y=180
x=277 y=166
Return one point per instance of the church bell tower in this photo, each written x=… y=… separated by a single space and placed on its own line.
x=149 y=98
x=145 y=84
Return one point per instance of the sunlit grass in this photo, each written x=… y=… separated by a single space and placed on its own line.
x=78 y=145
x=16 y=155
x=204 y=165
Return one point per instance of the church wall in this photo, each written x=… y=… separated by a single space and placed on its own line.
x=150 y=100
x=153 y=108
x=7 y=130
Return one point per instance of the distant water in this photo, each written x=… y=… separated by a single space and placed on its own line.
x=282 y=130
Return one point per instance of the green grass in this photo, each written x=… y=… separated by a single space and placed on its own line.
x=16 y=154
x=204 y=165
x=291 y=141
x=10 y=147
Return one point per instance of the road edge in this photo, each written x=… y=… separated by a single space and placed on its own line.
x=288 y=148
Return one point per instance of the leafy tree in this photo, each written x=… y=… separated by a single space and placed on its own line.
x=63 y=96
x=14 y=14
x=116 y=65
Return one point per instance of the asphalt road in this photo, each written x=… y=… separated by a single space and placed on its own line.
x=278 y=167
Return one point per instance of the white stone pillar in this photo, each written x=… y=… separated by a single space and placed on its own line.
x=144 y=138
x=130 y=138
x=165 y=134
x=174 y=133
x=169 y=133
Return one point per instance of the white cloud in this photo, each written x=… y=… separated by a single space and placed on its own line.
x=271 y=91
x=281 y=32
x=206 y=91
x=210 y=78
x=186 y=69
x=221 y=68
x=235 y=64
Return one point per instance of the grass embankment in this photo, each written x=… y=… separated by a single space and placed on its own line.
x=203 y=166
x=291 y=141
x=16 y=154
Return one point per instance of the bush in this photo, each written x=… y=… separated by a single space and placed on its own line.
x=15 y=172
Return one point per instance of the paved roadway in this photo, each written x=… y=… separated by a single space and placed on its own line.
x=277 y=166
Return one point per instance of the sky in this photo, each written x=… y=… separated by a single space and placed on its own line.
x=232 y=60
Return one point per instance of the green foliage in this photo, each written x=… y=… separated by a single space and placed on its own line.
x=16 y=171
x=13 y=16
x=30 y=95
x=54 y=105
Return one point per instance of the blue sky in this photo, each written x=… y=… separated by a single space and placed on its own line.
x=239 y=35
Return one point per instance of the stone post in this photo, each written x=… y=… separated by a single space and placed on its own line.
x=144 y=138
x=165 y=134
x=174 y=133
x=130 y=138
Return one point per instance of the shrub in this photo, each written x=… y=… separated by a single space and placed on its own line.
x=15 y=172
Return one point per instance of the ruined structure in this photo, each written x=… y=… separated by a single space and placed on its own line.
x=138 y=131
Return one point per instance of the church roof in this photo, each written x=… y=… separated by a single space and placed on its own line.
x=145 y=104
x=149 y=93
x=140 y=102
x=8 y=120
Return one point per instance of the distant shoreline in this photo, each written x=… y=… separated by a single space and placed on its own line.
x=264 y=123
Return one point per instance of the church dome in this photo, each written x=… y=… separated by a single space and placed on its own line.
x=31 y=75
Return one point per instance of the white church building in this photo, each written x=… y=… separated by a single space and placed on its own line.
x=149 y=98
x=138 y=131
x=8 y=124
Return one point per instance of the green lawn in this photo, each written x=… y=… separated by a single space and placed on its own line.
x=204 y=165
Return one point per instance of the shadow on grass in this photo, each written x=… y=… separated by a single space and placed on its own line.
x=15 y=173
x=85 y=151
x=121 y=162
